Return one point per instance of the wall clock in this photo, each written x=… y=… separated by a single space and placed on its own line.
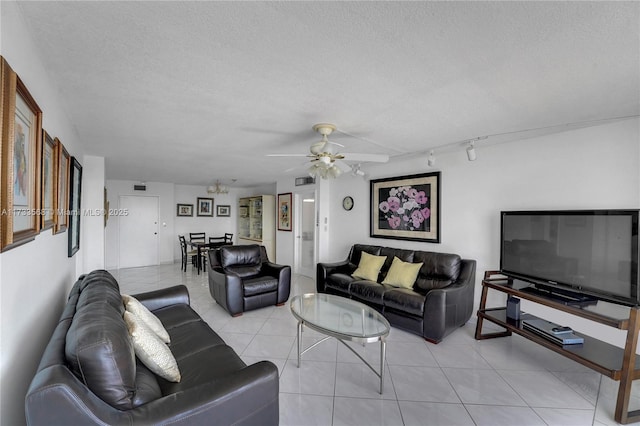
x=347 y=203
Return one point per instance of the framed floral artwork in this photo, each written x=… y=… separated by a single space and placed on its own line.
x=21 y=150
x=406 y=207
x=205 y=207
x=284 y=212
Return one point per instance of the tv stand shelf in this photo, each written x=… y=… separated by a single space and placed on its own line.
x=619 y=364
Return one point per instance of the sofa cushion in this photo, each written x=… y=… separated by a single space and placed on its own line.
x=339 y=282
x=151 y=350
x=131 y=304
x=259 y=285
x=369 y=266
x=402 y=274
x=405 y=300
x=100 y=353
x=147 y=388
x=439 y=270
x=247 y=255
x=368 y=291
x=356 y=253
x=391 y=253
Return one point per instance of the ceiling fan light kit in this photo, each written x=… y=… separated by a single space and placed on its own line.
x=218 y=188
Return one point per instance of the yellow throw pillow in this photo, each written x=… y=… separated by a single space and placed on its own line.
x=152 y=351
x=133 y=305
x=369 y=266
x=402 y=274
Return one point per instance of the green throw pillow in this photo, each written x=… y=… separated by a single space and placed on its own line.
x=369 y=266
x=402 y=274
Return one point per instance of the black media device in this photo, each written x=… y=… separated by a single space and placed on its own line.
x=575 y=256
x=513 y=308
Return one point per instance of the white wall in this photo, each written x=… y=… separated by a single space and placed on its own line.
x=92 y=219
x=35 y=277
x=589 y=168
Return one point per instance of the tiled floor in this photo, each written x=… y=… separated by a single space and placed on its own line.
x=461 y=381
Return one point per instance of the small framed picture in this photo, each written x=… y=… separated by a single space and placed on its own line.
x=205 y=207
x=185 y=210
x=223 y=211
x=284 y=212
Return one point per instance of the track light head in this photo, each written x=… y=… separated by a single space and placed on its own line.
x=471 y=152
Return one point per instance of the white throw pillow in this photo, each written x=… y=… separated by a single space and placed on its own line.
x=152 y=351
x=134 y=306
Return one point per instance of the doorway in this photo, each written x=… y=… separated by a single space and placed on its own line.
x=305 y=232
x=138 y=231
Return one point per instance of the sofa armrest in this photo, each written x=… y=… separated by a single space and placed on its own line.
x=283 y=274
x=249 y=396
x=323 y=270
x=163 y=297
x=450 y=307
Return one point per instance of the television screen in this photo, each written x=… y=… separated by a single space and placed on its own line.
x=594 y=252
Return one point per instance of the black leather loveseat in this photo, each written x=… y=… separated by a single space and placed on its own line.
x=89 y=374
x=242 y=278
x=440 y=300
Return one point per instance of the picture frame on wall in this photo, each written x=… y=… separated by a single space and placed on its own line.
x=406 y=207
x=223 y=211
x=184 y=210
x=49 y=175
x=74 y=206
x=20 y=165
x=285 y=212
x=61 y=201
x=204 y=207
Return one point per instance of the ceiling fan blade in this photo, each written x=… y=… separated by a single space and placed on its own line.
x=375 y=158
x=288 y=155
x=343 y=166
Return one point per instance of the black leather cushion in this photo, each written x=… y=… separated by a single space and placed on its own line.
x=240 y=255
x=340 y=282
x=356 y=253
x=176 y=316
x=368 y=291
x=259 y=285
x=438 y=270
x=100 y=353
x=147 y=388
x=243 y=271
x=100 y=286
x=404 y=299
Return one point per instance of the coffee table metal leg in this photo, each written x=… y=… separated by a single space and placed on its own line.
x=383 y=353
x=299 y=341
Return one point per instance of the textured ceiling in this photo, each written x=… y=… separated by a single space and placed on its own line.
x=191 y=92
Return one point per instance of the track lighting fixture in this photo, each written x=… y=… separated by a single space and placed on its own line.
x=355 y=170
x=431 y=160
x=471 y=151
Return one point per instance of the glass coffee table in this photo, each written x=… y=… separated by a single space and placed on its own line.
x=343 y=319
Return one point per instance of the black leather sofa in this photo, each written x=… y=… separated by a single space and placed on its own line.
x=89 y=375
x=242 y=278
x=440 y=301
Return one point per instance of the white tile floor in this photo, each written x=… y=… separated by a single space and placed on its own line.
x=461 y=381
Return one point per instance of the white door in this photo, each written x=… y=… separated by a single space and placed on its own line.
x=138 y=231
x=305 y=232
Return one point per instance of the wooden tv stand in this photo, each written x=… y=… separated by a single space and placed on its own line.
x=619 y=364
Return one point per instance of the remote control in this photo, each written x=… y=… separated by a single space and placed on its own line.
x=561 y=330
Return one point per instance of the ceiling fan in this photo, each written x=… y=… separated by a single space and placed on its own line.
x=326 y=161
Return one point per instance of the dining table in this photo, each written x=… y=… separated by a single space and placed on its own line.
x=202 y=246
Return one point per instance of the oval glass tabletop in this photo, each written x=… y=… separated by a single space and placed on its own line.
x=339 y=316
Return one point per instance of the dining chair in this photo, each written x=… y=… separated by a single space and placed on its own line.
x=199 y=237
x=186 y=253
x=228 y=237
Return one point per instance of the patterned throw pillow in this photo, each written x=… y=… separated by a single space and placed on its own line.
x=369 y=266
x=152 y=351
x=134 y=306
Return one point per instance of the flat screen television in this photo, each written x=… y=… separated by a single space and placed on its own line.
x=579 y=254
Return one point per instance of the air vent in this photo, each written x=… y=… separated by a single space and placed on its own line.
x=139 y=187
x=307 y=180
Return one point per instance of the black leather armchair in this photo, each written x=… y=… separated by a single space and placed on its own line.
x=242 y=278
